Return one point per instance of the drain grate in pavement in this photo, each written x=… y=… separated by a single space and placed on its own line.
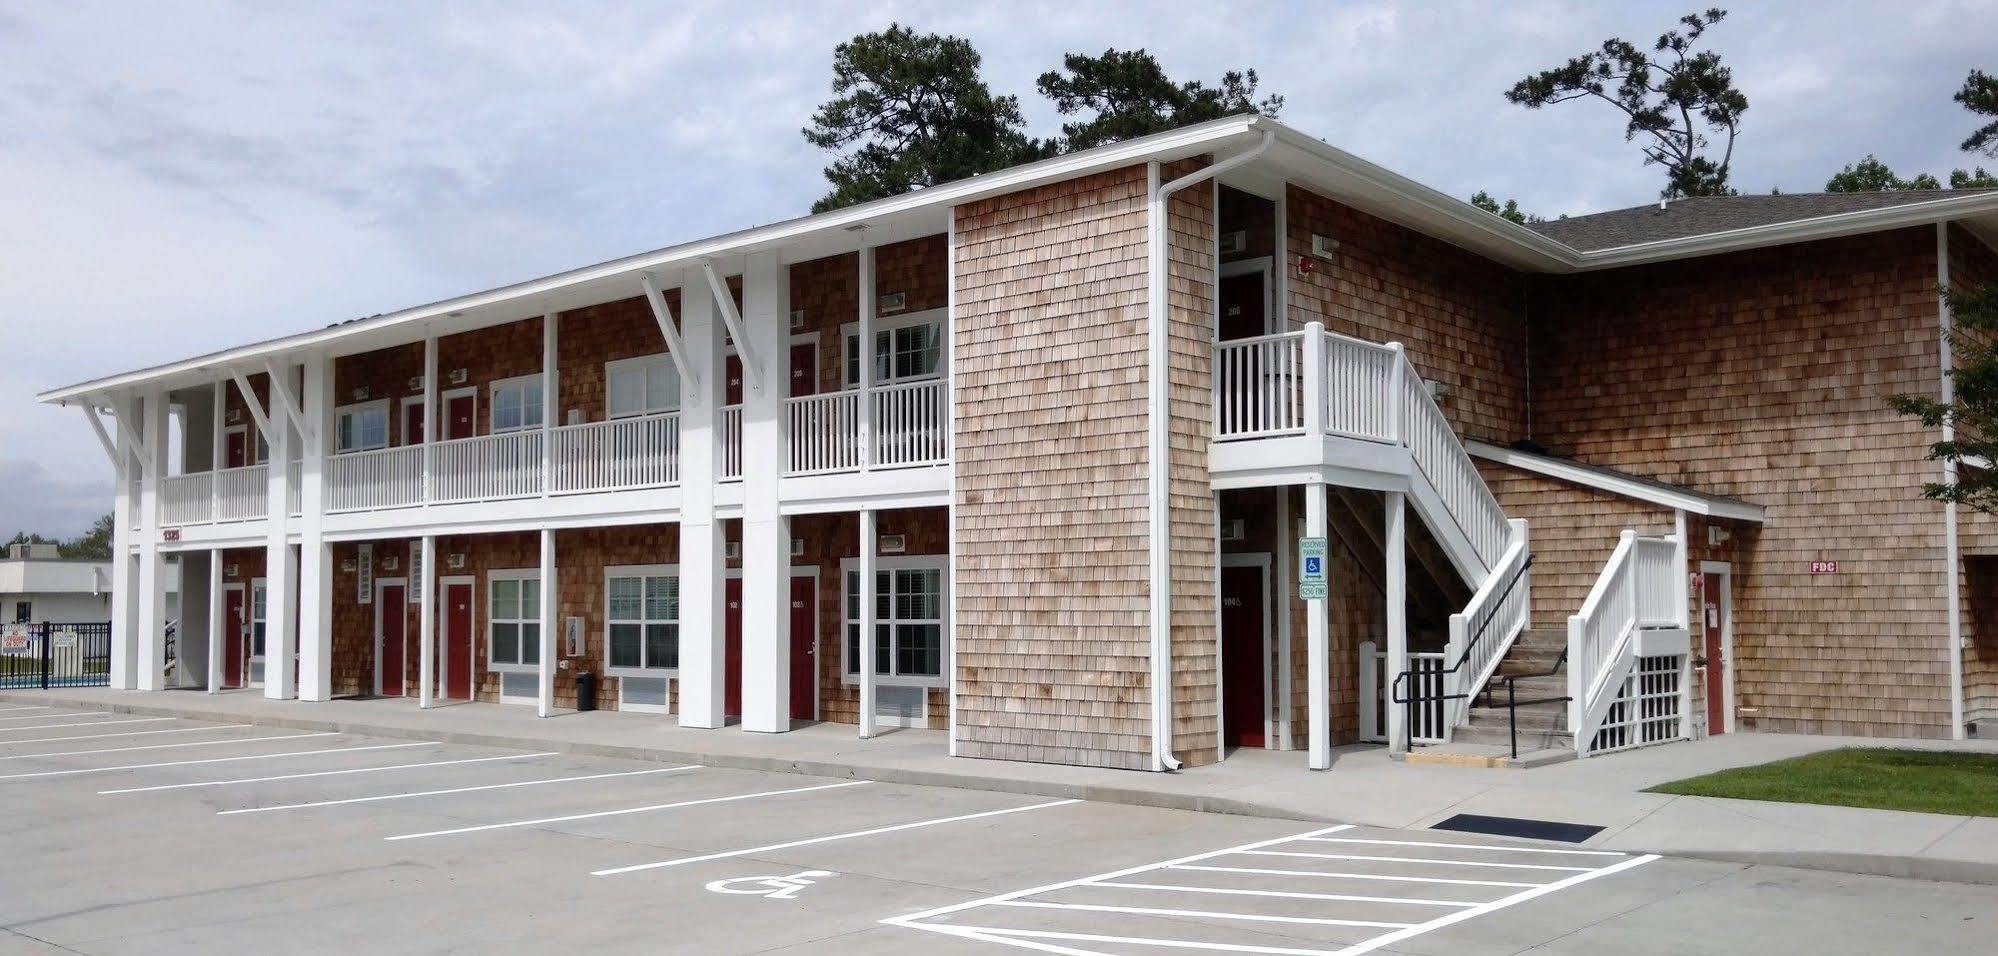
x=1519 y=827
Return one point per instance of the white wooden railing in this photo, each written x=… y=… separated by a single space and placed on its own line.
x=188 y=499
x=1485 y=629
x=1639 y=587
x=506 y=465
x=1441 y=458
x=909 y=426
x=380 y=478
x=728 y=425
x=1431 y=714
x=1258 y=386
x=242 y=494
x=824 y=432
x=912 y=424
x=617 y=455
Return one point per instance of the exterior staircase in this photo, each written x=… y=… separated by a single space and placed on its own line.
x=1535 y=659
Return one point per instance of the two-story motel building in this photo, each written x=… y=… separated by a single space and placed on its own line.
x=1026 y=459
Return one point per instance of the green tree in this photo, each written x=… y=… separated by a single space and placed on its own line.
x=1871 y=175
x=94 y=544
x=1484 y=200
x=908 y=111
x=1127 y=94
x=1980 y=96
x=1674 y=98
x=1959 y=179
x=1973 y=408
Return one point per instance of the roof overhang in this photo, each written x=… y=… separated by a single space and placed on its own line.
x=1623 y=486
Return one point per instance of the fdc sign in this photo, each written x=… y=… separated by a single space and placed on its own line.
x=1311 y=569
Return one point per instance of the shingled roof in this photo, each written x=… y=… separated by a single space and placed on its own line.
x=1701 y=215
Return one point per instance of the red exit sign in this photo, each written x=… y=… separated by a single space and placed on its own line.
x=1824 y=567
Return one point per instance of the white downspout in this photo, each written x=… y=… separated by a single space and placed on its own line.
x=1158 y=420
x=1951 y=561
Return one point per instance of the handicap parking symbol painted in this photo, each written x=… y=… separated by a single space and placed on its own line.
x=769 y=887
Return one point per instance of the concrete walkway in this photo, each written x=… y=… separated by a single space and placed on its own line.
x=1363 y=786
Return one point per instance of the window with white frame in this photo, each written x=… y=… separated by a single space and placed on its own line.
x=360 y=427
x=513 y=619
x=641 y=386
x=516 y=404
x=908 y=619
x=906 y=348
x=258 y=606
x=642 y=620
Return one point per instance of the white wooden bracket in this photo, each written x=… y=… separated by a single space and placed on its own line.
x=664 y=316
x=256 y=408
x=725 y=304
x=282 y=397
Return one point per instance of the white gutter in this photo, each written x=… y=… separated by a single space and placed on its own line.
x=1952 y=562
x=1158 y=445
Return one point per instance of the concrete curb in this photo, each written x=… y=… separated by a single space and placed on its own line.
x=1905 y=867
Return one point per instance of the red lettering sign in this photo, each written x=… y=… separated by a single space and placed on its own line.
x=1824 y=567
x=170 y=534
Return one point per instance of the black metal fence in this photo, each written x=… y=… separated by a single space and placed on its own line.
x=55 y=655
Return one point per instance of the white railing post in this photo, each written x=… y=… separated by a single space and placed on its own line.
x=1576 y=625
x=551 y=367
x=1315 y=391
x=866 y=331
x=1398 y=396
x=429 y=416
x=1370 y=691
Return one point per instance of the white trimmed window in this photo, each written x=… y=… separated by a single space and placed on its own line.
x=909 y=627
x=516 y=404
x=906 y=348
x=641 y=386
x=642 y=620
x=360 y=427
x=258 y=616
x=513 y=619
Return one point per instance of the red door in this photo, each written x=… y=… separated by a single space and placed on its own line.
x=804 y=659
x=458 y=641
x=804 y=369
x=1242 y=313
x=233 y=627
x=391 y=644
x=732 y=382
x=1242 y=664
x=412 y=423
x=732 y=650
x=236 y=449
x=459 y=412
x=1717 y=676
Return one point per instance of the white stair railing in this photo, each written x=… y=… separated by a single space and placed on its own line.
x=1485 y=629
x=1639 y=588
x=1431 y=722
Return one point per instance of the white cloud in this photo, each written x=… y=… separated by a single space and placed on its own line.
x=181 y=179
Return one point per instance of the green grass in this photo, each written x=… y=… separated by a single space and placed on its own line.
x=1879 y=778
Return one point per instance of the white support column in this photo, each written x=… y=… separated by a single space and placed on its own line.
x=124 y=586
x=1319 y=737
x=426 y=667
x=866 y=335
x=429 y=424
x=551 y=369
x=315 y=577
x=702 y=611
x=545 y=667
x=152 y=584
x=1395 y=583
x=867 y=598
x=766 y=537
x=216 y=615
x=1952 y=548
x=1682 y=556
x=1285 y=558
x=280 y=566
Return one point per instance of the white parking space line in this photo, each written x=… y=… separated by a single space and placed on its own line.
x=1417 y=859
x=622 y=812
x=190 y=743
x=9 y=710
x=326 y=773
x=182 y=763
x=439 y=793
x=86 y=723
x=1216 y=919
x=1465 y=846
x=827 y=839
x=1199 y=914
x=121 y=733
x=1281 y=894
x=81 y=713
x=1352 y=876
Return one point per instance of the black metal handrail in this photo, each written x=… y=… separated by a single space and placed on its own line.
x=1513 y=703
x=1395 y=688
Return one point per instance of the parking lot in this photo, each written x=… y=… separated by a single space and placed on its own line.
x=129 y=834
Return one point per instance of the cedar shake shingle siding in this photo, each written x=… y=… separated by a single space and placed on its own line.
x=1049 y=360
x=1974 y=265
x=1764 y=375
x=1190 y=291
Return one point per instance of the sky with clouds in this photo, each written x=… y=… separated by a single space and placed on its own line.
x=181 y=177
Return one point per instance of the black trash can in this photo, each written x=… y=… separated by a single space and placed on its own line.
x=586 y=691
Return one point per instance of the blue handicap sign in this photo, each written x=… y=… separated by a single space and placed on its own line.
x=1312 y=566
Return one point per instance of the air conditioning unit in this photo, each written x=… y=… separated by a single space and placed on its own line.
x=892 y=302
x=1232 y=242
x=1234 y=529
x=797 y=547
x=894 y=543
x=361 y=394
x=797 y=320
x=416 y=383
x=458 y=376
x=1323 y=246
x=390 y=563
x=228 y=570
x=235 y=415
x=455 y=561
x=732 y=550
